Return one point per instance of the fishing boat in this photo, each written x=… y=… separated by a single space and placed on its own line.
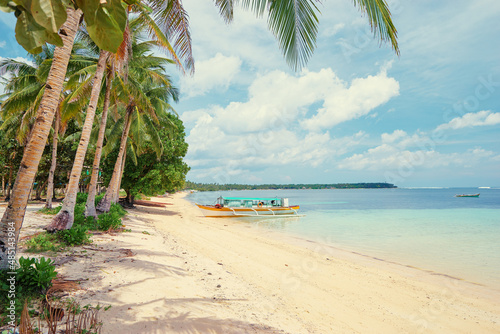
x=467 y=195
x=249 y=207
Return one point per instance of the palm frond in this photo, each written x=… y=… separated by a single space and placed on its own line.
x=379 y=17
x=295 y=25
x=173 y=19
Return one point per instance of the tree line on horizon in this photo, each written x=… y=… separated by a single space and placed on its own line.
x=225 y=187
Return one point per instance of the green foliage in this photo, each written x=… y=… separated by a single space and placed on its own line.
x=31 y=280
x=151 y=175
x=44 y=242
x=38 y=22
x=98 y=198
x=52 y=211
x=81 y=198
x=75 y=236
x=224 y=187
x=112 y=219
x=105 y=22
x=35 y=275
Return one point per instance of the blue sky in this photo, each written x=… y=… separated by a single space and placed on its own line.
x=356 y=112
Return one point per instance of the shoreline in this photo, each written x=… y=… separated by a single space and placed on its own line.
x=178 y=272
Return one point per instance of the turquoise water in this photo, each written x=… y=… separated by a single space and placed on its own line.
x=426 y=228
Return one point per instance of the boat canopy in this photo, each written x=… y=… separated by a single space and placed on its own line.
x=250 y=198
x=237 y=202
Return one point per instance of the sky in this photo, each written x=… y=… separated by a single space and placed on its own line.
x=356 y=112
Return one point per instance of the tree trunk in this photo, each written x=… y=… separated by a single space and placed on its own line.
x=122 y=168
x=13 y=216
x=114 y=183
x=3 y=185
x=50 y=181
x=39 y=190
x=9 y=185
x=64 y=219
x=90 y=206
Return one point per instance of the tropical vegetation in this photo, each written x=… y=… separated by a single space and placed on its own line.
x=233 y=186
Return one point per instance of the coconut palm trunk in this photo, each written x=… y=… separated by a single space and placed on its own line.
x=90 y=206
x=111 y=192
x=9 y=183
x=50 y=182
x=12 y=220
x=122 y=168
x=64 y=219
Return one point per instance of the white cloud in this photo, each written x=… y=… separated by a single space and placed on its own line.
x=215 y=73
x=399 y=150
x=481 y=118
x=332 y=31
x=391 y=138
x=343 y=103
x=2 y=44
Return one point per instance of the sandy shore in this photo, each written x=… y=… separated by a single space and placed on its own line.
x=177 y=272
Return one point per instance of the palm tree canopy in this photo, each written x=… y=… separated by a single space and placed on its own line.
x=293 y=22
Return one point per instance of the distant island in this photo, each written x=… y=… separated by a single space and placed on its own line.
x=233 y=186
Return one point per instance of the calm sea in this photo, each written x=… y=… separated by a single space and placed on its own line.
x=426 y=228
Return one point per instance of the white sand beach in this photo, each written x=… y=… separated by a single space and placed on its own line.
x=178 y=272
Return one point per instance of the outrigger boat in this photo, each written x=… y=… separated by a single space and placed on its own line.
x=249 y=207
x=467 y=195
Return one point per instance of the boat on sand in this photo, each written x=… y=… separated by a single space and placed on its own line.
x=249 y=207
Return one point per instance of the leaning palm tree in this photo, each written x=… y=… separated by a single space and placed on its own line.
x=14 y=213
x=64 y=219
x=145 y=70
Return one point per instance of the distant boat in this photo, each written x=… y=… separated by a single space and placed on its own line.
x=467 y=195
x=249 y=207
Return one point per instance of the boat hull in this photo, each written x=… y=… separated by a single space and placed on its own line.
x=467 y=195
x=212 y=211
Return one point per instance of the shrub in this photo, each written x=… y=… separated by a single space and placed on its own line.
x=117 y=208
x=76 y=235
x=110 y=220
x=81 y=198
x=98 y=198
x=35 y=276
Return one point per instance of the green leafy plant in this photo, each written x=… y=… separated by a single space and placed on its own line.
x=112 y=219
x=81 y=198
x=108 y=221
x=75 y=236
x=35 y=275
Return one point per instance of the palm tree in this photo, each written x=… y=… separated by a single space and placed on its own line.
x=145 y=71
x=90 y=205
x=64 y=219
x=14 y=214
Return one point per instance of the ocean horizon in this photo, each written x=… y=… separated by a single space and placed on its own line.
x=424 y=227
